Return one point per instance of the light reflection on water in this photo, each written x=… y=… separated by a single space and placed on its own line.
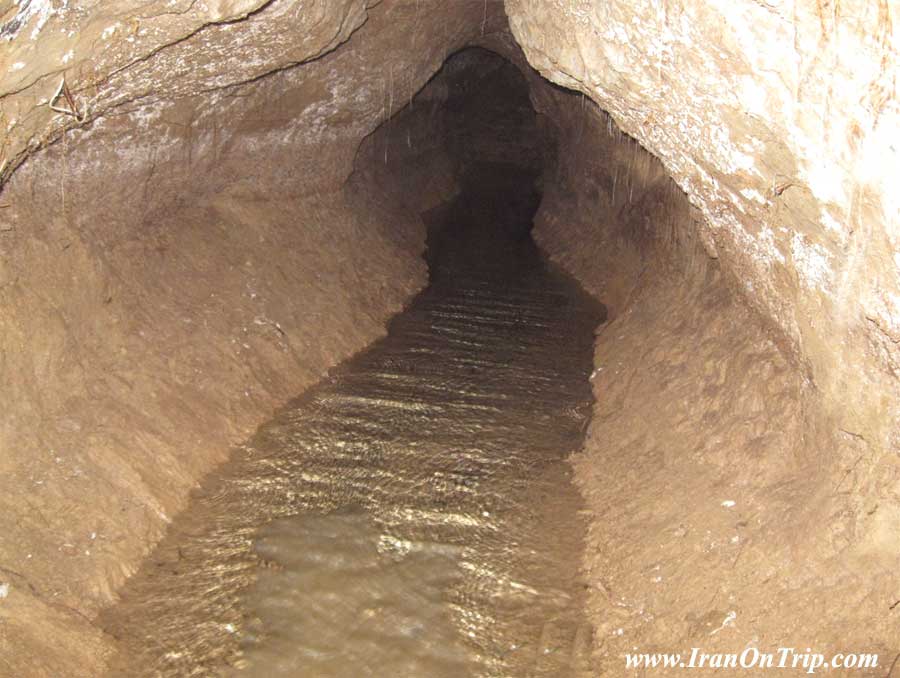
x=413 y=515
x=346 y=600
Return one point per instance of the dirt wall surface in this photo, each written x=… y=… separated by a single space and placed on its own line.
x=780 y=123
x=769 y=406
x=222 y=222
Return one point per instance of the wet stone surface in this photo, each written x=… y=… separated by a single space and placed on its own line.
x=412 y=515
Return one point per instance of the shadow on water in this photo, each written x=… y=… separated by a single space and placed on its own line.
x=413 y=514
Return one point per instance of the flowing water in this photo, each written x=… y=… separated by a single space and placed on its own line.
x=413 y=514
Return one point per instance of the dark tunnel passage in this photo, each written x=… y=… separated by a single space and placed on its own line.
x=496 y=148
x=295 y=380
x=413 y=514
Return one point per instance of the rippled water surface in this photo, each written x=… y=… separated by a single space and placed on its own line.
x=412 y=515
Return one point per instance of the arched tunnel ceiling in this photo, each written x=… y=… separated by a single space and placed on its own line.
x=778 y=120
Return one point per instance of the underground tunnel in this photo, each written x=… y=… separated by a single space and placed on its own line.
x=496 y=338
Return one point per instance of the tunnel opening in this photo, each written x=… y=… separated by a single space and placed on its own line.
x=205 y=211
x=487 y=137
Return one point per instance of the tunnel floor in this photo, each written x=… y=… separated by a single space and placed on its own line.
x=414 y=513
